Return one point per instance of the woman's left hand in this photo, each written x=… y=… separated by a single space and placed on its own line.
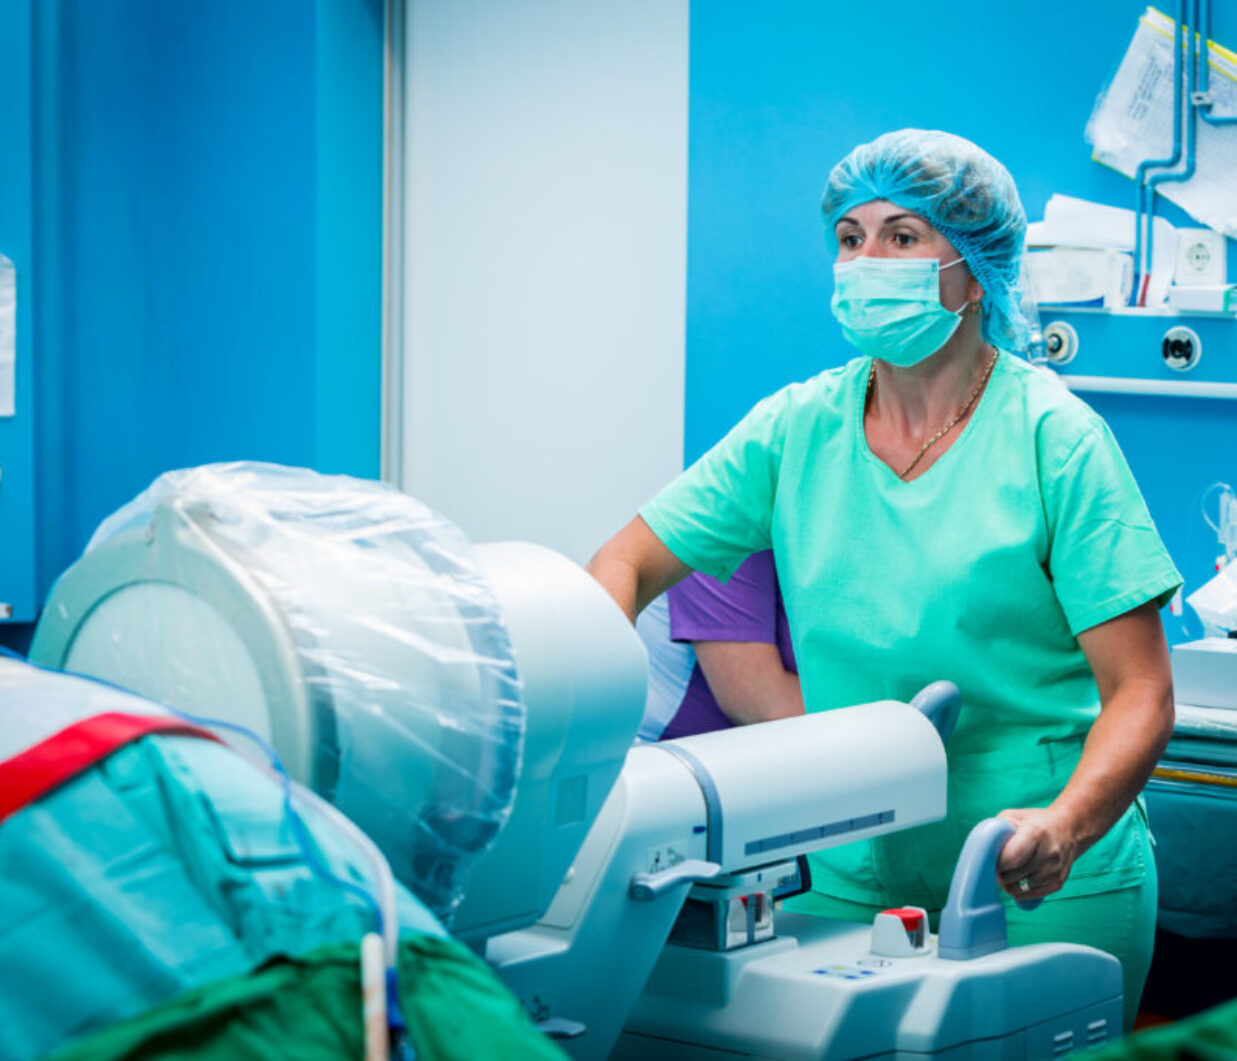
x=1037 y=859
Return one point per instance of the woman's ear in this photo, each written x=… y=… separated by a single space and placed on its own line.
x=974 y=294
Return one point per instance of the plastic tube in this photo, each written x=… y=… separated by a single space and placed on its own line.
x=374 y=998
x=1226 y=527
x=379 y=951
x=1140 y=174
x=383 y=905
x=1201 y=99
x=1191 y=121
x=1191 y=129
x=383 y=877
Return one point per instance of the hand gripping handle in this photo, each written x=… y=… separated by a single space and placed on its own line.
x=973 y=921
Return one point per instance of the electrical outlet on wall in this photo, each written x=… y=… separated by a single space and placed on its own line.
x=1201 y=258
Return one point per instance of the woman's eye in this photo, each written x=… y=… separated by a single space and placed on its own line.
x=850 y=241
x=904 y=239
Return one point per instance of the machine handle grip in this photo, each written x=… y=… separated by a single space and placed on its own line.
x=973 y=921
x=940 y=702
x=648 y=886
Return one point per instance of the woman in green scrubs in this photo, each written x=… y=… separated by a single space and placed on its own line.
x=938 y=508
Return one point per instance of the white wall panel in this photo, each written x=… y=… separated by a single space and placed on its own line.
x=545 y=262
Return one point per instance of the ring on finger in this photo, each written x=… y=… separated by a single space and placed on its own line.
x=1024 y=885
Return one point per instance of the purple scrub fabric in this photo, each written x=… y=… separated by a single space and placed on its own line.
x=747 y=608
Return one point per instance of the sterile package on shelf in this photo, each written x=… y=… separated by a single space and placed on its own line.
x=1080 y=276
x=1079 y=223
x=1219 y=298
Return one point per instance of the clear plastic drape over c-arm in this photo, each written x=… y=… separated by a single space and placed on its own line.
x=343 y=621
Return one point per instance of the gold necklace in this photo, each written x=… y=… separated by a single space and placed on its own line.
x=956 y=417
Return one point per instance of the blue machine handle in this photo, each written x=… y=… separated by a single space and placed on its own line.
x=973 y=921
x=940 y=702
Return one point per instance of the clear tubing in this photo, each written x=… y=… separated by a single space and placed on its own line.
x=383 y=904
x=384 y=879
x=1226 y=529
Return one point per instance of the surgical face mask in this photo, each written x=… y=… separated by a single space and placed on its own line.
x=891 y=307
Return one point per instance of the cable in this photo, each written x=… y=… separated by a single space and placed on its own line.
x=299 y=831
x=384 y=1003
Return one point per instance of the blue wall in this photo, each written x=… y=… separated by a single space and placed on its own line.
x=778 y=97
x=208 y=244
x=17 y=584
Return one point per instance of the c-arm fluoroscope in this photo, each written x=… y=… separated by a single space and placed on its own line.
x=627 y=895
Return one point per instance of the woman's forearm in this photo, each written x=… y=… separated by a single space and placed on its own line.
x=618 y=577
x=1129 y=658
x=1124 y=744
x=634 y=567
x=749 y=680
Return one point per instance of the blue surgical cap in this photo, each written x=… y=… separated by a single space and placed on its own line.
x=964 y=193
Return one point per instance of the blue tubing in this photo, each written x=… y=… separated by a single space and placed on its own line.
x=1204 y=79
x=1191 y=125
x=1140 y=174
x=1191 y=122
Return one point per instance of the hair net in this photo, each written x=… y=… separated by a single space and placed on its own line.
x=964 y=193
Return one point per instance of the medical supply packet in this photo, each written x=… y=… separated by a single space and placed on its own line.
x=1070 y=222
x=1133 y=122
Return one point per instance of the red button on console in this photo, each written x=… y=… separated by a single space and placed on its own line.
x=912 y=920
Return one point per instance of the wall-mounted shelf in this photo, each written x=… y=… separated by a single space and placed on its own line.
x=1169 y=388
x=1136 y=311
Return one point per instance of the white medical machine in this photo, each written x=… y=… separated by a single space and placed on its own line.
x=1205 y=671
x=1193 y=791
x=473 y=710
x=362 y=636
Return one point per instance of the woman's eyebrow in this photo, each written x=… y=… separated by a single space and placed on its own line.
x=848 y=220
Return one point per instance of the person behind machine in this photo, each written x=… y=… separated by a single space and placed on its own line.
x=938 y=508
x=720 y=654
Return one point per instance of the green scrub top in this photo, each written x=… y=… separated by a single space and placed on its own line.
x=1026 y=531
